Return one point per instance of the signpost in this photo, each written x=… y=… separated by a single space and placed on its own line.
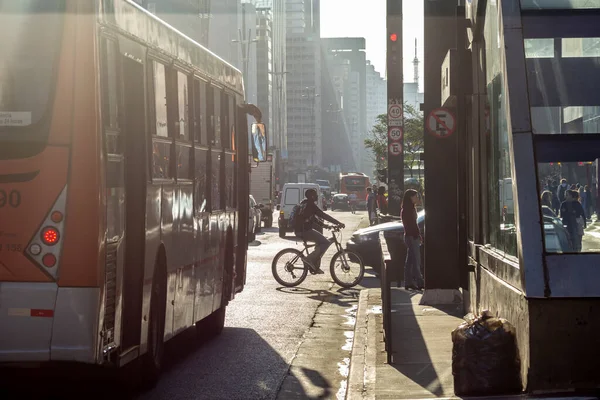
x=395 y=115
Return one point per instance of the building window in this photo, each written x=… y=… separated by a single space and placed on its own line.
x=501 y=229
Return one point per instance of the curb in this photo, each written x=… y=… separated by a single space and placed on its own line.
x=361 y=379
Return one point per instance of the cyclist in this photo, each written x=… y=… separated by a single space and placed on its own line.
x=304 y=227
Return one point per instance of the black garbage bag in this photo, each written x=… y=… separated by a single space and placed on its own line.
x=485 y=357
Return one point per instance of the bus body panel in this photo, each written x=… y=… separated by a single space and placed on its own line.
x=75 y=329
x=26 y=318
x=26 y=206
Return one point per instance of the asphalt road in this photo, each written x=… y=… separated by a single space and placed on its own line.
x=278 y=343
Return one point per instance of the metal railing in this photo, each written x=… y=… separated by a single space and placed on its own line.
x=386 y=300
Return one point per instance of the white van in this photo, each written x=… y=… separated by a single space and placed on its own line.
x=292 y=194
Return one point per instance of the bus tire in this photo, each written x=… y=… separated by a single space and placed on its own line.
x=153 y=360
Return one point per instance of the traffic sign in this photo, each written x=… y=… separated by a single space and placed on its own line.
x=395 y=133
x=395 y=148
x=395 y=111
x=441 y=123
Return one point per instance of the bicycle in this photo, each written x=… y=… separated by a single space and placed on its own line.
x=348 y=262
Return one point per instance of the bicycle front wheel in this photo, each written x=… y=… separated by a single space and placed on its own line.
x=288 y=268
x=347 y=268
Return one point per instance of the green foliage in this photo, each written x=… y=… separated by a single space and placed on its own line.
x=413 y=138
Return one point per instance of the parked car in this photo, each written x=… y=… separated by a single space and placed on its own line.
x=340 y=202
x=255 y=217
x=365 y=242
x=292 y=194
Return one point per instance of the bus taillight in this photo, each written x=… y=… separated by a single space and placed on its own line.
x=46 y=245
x=49 y=260
x=50 y=236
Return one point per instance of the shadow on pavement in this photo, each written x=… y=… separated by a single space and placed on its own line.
x=428 y=364
x=236 y=364
x=255 y=243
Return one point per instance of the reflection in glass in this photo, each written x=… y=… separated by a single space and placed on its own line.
x=501 y=227
x=580 y=47
x=559 y=4
x=215 y=181
x=161 y=158
x=563 y=74
x=160 y=99
x=568 y=193
x=539 y=48
x=200 y=176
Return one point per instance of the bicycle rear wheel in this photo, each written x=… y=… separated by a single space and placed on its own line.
x=347 y=269
x=288 y=268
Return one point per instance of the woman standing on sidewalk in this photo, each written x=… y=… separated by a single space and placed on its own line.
x=412 y=239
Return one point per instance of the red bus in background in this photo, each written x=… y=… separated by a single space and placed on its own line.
x=355 y=182
x=123 y=184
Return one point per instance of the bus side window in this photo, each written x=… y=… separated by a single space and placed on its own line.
x=225 y=121
x=230 y=179
x=183 y=147
x=217 y=117
x=161 y=143
x=200 y=113
x=216 y=188
x=201 y=180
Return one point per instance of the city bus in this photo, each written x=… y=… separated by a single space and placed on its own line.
x=123 y=184
x=355 y=182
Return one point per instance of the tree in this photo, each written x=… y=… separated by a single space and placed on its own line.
x=413 y=139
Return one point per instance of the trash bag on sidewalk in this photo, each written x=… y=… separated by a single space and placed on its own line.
x=485 y=357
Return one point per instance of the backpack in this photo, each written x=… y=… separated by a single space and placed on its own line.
x=296 y=216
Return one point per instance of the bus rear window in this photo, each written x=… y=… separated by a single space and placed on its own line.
x=31 y=35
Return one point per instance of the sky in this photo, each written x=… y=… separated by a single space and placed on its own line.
x=366 y=18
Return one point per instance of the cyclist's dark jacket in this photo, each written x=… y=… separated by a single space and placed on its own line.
x=305 y=221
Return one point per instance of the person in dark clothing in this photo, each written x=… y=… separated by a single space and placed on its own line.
x=304 y=227
x=570 y=211
x=371 y=206
x=412 y=239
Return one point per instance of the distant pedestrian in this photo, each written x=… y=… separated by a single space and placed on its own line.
x=562 y=190
x=413 y=240
x=371 y=206
x=586 y=202
x=546 y=200
x=573 y=218
x=381 y=200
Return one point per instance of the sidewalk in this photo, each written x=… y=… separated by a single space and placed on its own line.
x=421 y=343
x=422 y=351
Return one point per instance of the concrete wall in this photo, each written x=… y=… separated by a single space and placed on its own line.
x=487 y=292
x=565 y=341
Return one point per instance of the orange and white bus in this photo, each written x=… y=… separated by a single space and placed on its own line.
x=123 y=183
x=355 y=182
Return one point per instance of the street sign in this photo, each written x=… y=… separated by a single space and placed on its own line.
x=394 y=114
x=395 y=149
x=441 y=123
x=395 y=133
x=395 y=111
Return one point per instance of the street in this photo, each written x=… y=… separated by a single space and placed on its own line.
x=278 y=343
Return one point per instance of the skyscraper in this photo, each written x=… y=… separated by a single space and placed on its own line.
x=303 y=57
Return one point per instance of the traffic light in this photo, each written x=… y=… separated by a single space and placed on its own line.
x=382 y=175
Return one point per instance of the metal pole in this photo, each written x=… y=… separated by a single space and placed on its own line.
x=395 y=92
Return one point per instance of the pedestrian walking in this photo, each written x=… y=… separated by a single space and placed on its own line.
x=412 y=239
x=573 y=218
